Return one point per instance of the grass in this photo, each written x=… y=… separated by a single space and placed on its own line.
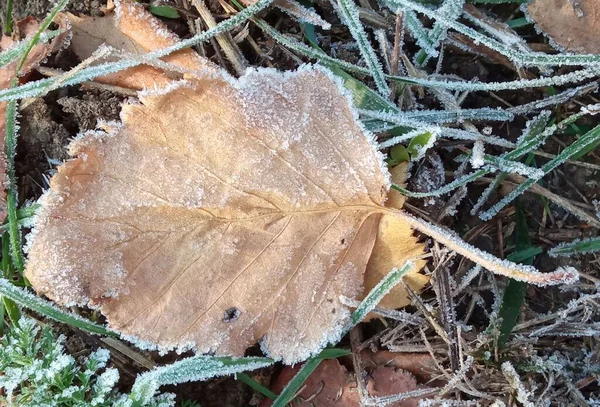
x=416 y=135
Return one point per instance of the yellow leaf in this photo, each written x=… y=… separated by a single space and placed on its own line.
x=395 y=244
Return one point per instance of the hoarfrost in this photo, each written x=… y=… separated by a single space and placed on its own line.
x=477 y=154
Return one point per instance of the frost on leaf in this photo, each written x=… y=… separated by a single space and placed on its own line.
x=27 y=27
x=219 y=214
x=132 y=31
x=573 y=25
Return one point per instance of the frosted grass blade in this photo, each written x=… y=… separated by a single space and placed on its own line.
x=195 y=368
x=585 y=246
x=457 y=183
x=584 y=141
x=43 y=86
x=518 y=57
x=349 y=15
x=28 y=300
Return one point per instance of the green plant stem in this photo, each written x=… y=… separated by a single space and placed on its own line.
x=8 y=18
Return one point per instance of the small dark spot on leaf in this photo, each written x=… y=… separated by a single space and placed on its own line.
x=231 y=315
x=343 y=241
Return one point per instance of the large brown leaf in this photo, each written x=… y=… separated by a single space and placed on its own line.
x=574 y=25
x=221 y=213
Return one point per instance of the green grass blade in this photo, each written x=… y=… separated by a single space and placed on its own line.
x=585 y=246
x=514 y=294
x=305 y=371
x=8 y=305
x=521 y=256
x=8 y=18
x=41 y=29
x=256 y=386
x=28 y=300
x=296 y=383
x=17 y=50
x=195 y=368
x=349 y=15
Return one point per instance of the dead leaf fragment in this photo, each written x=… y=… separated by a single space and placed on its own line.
x=332 y=385
x=329 y=385
x=221 y=213
x=395 y=245
x=133 y=30
x=574 y=25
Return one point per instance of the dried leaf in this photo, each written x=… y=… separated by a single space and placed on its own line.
x=421 y=365
x=221 y=213
x=574 y=25
x=38 y=53
x=387 y=381
x=395 y=244
x=332 y=385
x=131 y=29
x=329 y=385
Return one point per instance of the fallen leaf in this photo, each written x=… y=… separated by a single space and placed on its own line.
x=131 y=29
x=221 y=213
x=574 y=25
x=395 y=244
x=420 y=365
x=387 y=381
x=329 y=385
x=332 y=385
x=27 y=27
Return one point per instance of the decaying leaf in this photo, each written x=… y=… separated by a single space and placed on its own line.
x=221 y=213
x=131 y=30
x=395 y=244
x=574 y=25
x=39 y=52
x=331 y=384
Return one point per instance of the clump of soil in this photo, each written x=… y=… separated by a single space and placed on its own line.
x=86 y=109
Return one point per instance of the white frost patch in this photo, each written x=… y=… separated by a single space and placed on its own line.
x=478 y=154
x=159 y=91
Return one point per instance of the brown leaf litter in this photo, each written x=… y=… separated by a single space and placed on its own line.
x=386 y=374
x=574 y=25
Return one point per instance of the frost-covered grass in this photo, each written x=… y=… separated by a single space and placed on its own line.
x=37 y=371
